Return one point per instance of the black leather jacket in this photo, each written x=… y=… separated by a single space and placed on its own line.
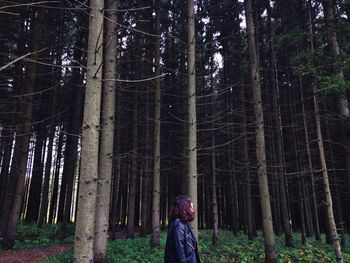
x=181 y=245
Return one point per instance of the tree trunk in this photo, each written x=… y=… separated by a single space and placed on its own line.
x=36 y=180
x=313 y=191
x=133 y=175
x=215 y=236
x=342 y=101
x=192 y=116
x=278 y=133
x=45 y=194
x=71 y=152
x=7 y=144
x=326 y=188
x=270 y=250
x=302 y=212
x=23 y=138
x=86 y=214
x=56 y=175
x=116 y=198
x=107 y=135
x=155 y=239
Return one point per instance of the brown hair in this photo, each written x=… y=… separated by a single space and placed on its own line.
x=182 y=209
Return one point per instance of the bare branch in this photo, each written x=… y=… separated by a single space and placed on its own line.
x=136 y=80
x=29 y=4
x=19 y=58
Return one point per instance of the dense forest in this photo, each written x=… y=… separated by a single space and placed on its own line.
x=109 y=109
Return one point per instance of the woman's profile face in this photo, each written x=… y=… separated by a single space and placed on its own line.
x=191 y=208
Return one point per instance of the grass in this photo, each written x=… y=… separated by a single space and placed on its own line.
x=31 y=236
x=230 y=249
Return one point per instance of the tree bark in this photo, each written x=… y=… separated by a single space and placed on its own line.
x=56 y=175
x=133 y=175
x=86 y=214
x=45 y=194
x=326 y=188
x=23 y=138
x=7 y=144
x=155 y=239
x=270 y=250
x=33 y=205
x=310 y=166
x=341 y=101
x=314 y=197
x=116 y=197
x=278 y=139
x=192 y=116
x=107 y=135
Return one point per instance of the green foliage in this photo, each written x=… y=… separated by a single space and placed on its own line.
x=320 y=69
x=230 y=249
x=31 y=236
x=66 y=257
x=296 y=37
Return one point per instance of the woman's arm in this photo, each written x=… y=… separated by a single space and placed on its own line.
x=180 y=241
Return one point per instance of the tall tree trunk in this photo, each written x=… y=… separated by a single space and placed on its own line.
x=107 y=135
x=302 y=211
x=326 y=188
x=23 y=138
x=56 y=175
x=7 y=144
x=116 y=198
x=73 y=137
x=278 y=133
x=71 y=152
x=312 y=181
x=342 y=101
x=155 y=239
x=86 y=214
x=45 y=194
x=36 y=180
x=133 y=173
x=215 y=236
x=336 y=190
x=270 y=250
x=192 y=115
x=214 y=212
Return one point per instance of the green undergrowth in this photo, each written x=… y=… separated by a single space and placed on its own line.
x=230 y=249
x=31 y=236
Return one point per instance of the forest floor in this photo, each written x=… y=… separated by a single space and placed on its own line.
x=231 y=248
x=32 y=255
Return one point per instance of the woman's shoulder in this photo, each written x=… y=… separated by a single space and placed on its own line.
x=177 y=223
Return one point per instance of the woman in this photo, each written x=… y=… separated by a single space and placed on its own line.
x=181 y=245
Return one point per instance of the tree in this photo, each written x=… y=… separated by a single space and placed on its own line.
x=86 y=215
x=341 y=98
x=326 y=188
x=22 y=142
x=155 y=239
x=107 y=134
x=192 y=118
x=270 y=250
x=279 y=136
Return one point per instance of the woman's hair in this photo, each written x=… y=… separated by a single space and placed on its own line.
x=182 y=209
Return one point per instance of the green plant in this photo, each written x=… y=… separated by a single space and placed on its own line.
x=231 y=248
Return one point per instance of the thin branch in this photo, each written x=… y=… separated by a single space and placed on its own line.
x=9 y=13
x=53 y=65
x=136 y=80
x=29 y=4
x=19 y=58
x=130 y=9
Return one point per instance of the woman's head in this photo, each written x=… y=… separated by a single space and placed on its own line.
x=182 y=209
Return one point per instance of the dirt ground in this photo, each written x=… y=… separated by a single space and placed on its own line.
x=32 y=255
